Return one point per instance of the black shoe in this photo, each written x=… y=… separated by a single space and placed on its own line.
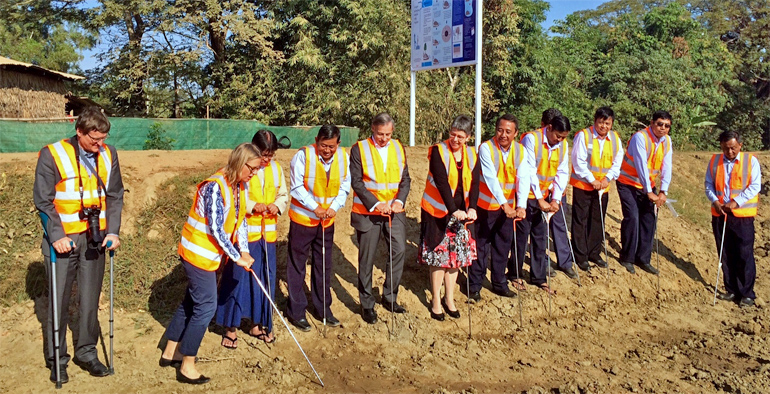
x=584 y=266
x=437 y=316
x=331 y=321
x=600 y=263
x=726 y=296
x=163 y=363
x=63 y=376
x=628 y=266
x=199 y=380
x=649 y=268
x=455 y=314
x=746 y=302
x=551 y=271
x=475 y=297
x=94 y=367
x=369 y=315
x=570 y=272
x=301 y=324
x=395 y=309
x=505 y=293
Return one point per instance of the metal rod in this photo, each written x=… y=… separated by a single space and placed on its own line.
x=518 y=277
x=719 y=266
x=604 y=235
x=112 y=309
x=53 y=299
x=572 y=252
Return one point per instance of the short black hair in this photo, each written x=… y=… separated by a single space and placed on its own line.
x=382 y=119
x=549 y=115
x=560 y=124
x=92 y=119
x=265 y=141
x=327 y=132
x=603 y=113
x=464 y=123
x=728 y=135
x=509 y=118
x=662 y=115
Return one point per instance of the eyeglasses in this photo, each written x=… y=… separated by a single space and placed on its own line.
x=253 y=170
x=97 y=140
x=663 y=125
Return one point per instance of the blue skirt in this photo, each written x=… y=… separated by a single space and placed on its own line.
x=240 y=297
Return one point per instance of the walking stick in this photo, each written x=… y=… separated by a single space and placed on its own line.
x=721 y=249
x=261 y=286
x=112 y=309
x=572 y=252
x=604 y=232
x=657 y=250
x=44 y=220
x=518 y=277
x=547 y=218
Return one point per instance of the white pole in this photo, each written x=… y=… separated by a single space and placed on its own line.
x=478 y=70
x=412 y=106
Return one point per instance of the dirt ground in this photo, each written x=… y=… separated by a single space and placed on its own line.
x=614 y=334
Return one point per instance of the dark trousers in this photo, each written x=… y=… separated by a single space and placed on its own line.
x=587 y=228
x=87 y=265
x=494 y=235
x=638 y=226
x=192 y=318
x=367 y=249
x=738 y=257
x=534 y=229
x=302 y=241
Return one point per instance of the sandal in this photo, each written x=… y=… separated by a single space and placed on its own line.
x=267 y=337
x=547 y=289
x=232 y=344
x=519 y=284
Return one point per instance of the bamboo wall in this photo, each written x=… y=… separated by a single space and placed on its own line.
x=25 y=95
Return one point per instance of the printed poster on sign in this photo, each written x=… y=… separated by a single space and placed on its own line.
x=443 y=33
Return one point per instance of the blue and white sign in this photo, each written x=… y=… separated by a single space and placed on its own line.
x=443 y=33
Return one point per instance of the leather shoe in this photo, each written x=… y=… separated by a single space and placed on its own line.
x=584 y=266
x=628 y=266
x=505 y=292
x=455 y=314
x=396 y=308
x=726 y=296
x=746 y=302
x=63 y=376
x=199 y=380
x=600 y=263
x=551 y=271
x=331 y=321
x=301 y=324
x=570 y=272
x=163 y=363
x=649 y=268
x=475 y=297
x=94 y=367
x=369 y=315
x=437 y=316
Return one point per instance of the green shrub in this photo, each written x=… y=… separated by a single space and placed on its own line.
x=157 y=139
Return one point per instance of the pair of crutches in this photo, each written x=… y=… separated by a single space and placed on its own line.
x=55 y=307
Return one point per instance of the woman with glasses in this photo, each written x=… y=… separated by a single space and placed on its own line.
x=240 y=297
x=448 y=202
x=215 y=229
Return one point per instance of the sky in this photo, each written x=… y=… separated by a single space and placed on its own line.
x=559 y=10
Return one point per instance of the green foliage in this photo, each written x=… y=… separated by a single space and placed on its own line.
x=157 y=139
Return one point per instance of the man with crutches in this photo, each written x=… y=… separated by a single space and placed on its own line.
x=596 y=157
x=733 y=182
x=645 y=175
x=319 y=186
x=504 y=177
x=79 y=188
x=380 y=181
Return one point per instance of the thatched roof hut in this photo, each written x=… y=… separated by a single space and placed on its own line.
x=30 y=91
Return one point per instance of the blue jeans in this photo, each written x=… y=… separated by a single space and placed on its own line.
x=192 y=318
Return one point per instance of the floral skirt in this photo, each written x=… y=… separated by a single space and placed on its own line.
x=456 y=250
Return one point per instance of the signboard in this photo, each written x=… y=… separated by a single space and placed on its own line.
x=443 y=33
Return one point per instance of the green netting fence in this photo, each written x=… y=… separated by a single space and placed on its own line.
x=131 y=133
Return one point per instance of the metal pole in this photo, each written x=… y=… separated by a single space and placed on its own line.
x=547 y=219
x=53 y=300
x=112 y=309
x=604 y=236
x=719 y=267
x=323 y=270
x=412 y=106
x=572 y=252
x=518 y=278
x=479 y=25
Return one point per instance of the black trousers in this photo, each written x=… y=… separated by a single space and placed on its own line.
x=494 y=235
x=302 y=241
x=535 y=229
x=587 y=224
x=638 y=226
x=738 y=258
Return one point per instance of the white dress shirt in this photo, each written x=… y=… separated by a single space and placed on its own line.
x=297 y=183
x=559 y=183
x=580 y=157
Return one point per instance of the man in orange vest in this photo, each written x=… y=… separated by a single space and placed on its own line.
x=547 y=153
x=380 y=181
x=733 y=182
x=79 y=186
x=596 y=157
x=319 y=186
x=645 y=175
x=504 y=175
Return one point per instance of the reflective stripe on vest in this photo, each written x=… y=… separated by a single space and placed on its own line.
x=432 y=202
x=628 y=174
x=322 y=186
x=545 y=163
x=198 y=246
x=383 y=183
x=264 y=194
x=598 y=163
x=67 y=198
x=740 y=179
x=506 y=173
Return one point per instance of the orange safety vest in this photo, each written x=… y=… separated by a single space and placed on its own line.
x=323 y=186
x=740 y=179
x=628 y=174
x=507 y=171
x=198 y=246
x=598 y=164
x=432 y=202
x=546 y=169
x=381 y=182
x=67 y=200
x=264 y=224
